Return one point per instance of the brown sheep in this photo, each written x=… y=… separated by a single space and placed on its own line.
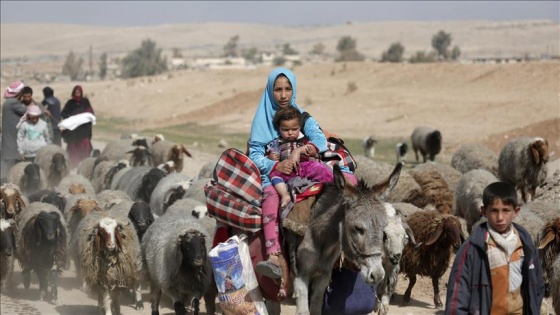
x=439 y=235
x=434 y=189
x=548 y=244
x=163 y=151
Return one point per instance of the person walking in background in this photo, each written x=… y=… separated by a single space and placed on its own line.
x=52 y=110
x=32 y=134
x=497 y=270
x=12 y=110
x=78 y=140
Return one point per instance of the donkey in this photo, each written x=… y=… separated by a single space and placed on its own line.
x=346 y=220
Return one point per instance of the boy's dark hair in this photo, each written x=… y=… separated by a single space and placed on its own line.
x=501 y=190
x=286 y=113
x=26 y=90
x=48 y=91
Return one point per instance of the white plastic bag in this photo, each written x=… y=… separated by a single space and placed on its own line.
x=235 y=278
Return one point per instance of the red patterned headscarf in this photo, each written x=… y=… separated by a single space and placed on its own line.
x=77 y=99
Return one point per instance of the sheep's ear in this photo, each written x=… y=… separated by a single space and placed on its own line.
x=549 y=237
x=170 y=153
x=97 y=241
x=435 y=236
x=411 y=238
x=119 y=235
x=38 y=234
x=20 y=204
x=185 y=151
x=384 y=188
x=535 y=152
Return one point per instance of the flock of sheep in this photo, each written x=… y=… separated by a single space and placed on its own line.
x=441 y=205
x=128 y=217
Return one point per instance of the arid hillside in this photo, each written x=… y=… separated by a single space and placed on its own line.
x=466 y=102
x=475 y=38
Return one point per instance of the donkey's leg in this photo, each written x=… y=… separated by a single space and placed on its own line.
x=318 y=288
x=301 y=289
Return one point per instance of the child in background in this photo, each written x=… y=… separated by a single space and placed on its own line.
x=497 y=270
x=33 y=134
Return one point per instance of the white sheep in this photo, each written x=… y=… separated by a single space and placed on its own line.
x=427 y=140
x=103 y=174
x=468 y=196
x=168 y=190
x=397 y=234
x=196 y=190
x=373 y=172
x=474 y=156
x=110 y=257
x=54 y=161
x=75 y=182
x=108 y=198
x=139 y=182
x=117 y=150
x=522 y=163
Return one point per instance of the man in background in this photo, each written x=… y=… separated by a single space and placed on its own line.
x=52 y=110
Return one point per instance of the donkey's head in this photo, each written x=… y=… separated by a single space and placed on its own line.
x=365 y=218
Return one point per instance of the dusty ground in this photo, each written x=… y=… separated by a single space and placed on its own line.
x=468 y=103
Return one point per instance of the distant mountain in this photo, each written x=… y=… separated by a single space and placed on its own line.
x=475 y=38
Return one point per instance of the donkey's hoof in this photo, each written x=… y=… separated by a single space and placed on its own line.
x=139 y=306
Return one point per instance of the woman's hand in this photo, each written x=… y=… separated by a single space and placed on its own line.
x=286 y=166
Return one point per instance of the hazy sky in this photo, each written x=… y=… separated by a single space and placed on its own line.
x=143 y=13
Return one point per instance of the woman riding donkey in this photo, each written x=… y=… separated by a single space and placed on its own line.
x=280 y=92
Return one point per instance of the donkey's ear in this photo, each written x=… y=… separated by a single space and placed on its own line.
x=384 y=188
x=339 y=180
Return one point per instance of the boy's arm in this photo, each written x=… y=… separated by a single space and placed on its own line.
x=20 y=138
x=47 y=135
x=459 y=284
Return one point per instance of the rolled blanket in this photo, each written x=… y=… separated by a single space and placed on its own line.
x=76 y=121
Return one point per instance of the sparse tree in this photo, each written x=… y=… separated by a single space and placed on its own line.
x=347 y=48
x=455 y=53
x=441 y=42
x=422 y=56
x=145 y=60
x=103 y=66
x=318 y=49
x=287 y=50
x=72 y=66
x=346 y=43
x=252 y=55
x=394 y=53
x=230 y=48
